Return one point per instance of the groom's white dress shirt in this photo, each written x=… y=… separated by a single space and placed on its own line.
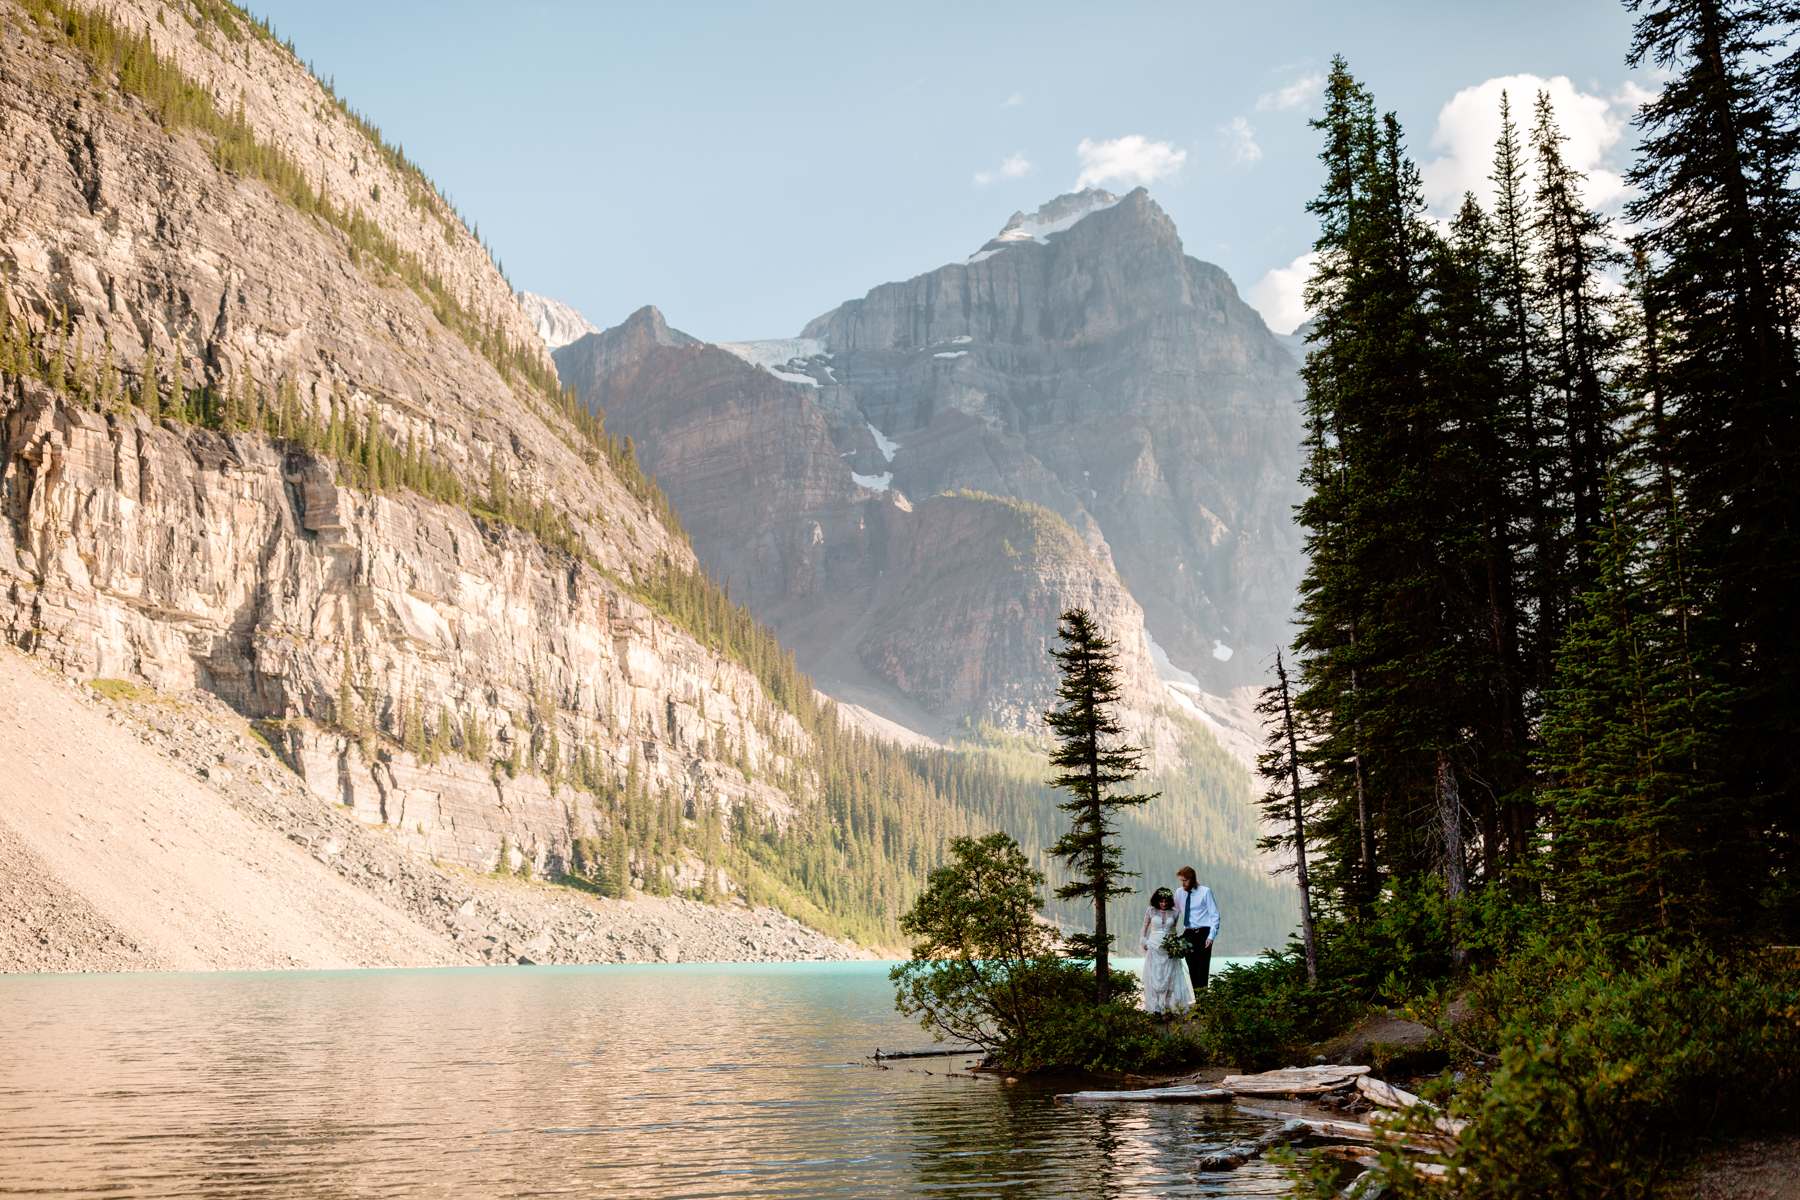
x=1202 y=912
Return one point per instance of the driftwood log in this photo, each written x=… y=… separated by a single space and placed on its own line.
x=1391 y=1097
x=1239 y=1153
x=881 y=1055
x=1320 y=1128
x=1362 y=1156
x=1386 y=1094
x=1179 y=1094
x=1294 y=1081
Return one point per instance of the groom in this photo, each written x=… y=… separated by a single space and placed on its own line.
x=1200 y=917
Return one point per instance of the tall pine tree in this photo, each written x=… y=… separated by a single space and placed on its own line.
x=1716 y=199
x=1091 y=762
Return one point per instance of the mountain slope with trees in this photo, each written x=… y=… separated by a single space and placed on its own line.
x=273 y=427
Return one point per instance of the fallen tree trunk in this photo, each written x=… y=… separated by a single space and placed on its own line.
x=1448 y=1128
x=1179 y=1094
x=1239 y=1153
x=1294 y=1081
x=1386 y=1094
x=1389 y=1096
x=1362 y=1156
x=880 y=1056
x=1322 y=1128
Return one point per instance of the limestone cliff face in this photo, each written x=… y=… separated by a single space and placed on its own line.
x=236 y=563
x=145 y=244
x=935 y=610
x=290 y=110
x=1081 y=360
x=193 y=559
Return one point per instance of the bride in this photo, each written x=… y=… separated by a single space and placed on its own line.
x=1166 y=985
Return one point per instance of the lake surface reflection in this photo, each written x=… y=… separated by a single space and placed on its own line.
x=626 y=1081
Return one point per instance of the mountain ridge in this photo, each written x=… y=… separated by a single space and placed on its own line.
x=901 y=392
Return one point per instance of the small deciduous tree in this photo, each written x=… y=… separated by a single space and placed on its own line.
x=980 y=950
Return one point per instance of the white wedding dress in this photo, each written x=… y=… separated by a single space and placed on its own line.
x=1166 y=984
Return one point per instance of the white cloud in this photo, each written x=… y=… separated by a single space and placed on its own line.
x=1013 y=101
x=1469 y=125
x=1278 y=294
x=1013 y=166
x=1133 y=159
x=1292 y=95
x=1240 y=140
x=1633 y=95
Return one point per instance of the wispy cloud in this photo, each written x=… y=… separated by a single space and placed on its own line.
x=1013 y=166
x=1013 y=101
x=1240 y=141
x=1292 y=95
x=1133 y=159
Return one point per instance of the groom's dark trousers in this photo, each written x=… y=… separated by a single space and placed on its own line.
x=1199 y=957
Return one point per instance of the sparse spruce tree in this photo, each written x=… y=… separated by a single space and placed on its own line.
x=1284 y=804
x=1091 y=762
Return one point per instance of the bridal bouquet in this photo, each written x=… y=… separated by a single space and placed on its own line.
x=1174 y=945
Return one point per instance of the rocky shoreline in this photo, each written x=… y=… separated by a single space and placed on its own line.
x=59 y=916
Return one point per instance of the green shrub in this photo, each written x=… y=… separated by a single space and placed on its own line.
x=1261 y=1014
x=1069 y=1031
x=120 y=690
x=1605 y=1064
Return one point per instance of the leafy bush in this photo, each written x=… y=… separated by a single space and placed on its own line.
x=1265 y=1013
x=1260 y=1014
x=1070 y=1032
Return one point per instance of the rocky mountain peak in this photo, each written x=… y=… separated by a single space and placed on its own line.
x=625 y=344
x=1064 y=213
x=1056 y=215
x=557 y=323
x=646 y=326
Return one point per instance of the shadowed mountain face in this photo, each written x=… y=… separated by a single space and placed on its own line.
x=911 y=489
x=932 y=611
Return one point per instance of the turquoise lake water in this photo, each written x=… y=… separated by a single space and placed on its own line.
x=619 y=1081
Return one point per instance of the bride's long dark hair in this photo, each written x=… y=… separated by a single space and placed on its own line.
x=1161 y=894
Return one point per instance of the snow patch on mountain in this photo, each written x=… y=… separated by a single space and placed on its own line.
x=778 y=356
x=557 y=323
x=1058 y=216
x=776 y=352
x=1165 y=666
x=875 y=483
x=883 y=442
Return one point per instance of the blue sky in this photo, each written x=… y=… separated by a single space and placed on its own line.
x=748 y=166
